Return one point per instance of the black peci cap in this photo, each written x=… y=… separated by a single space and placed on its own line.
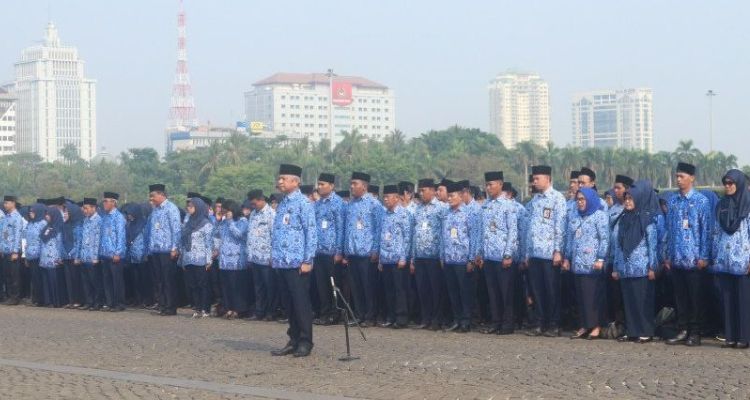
x=326 y=177
x=686 y=168
x=493 y=176
x=541 y=170
x=390 y=189
x=157 y=187
x=361 y=176
x=290 y=169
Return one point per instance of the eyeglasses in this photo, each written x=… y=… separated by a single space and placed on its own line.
x=728 y=183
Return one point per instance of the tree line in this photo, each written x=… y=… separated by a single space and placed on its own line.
x=232 y=167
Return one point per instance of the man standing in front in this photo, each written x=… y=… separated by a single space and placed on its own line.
x=688 y=244
x=546 y=225
x=164 y=237
x=294 y=244
x=10 y=246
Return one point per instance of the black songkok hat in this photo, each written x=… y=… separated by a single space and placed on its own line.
x=361 y=176
x=220 y=200
x=493 y=176
x=427 y=182
x=588 y=172
x=289 y=169
x=390 y=189
x=541 y=170
x=191 y=195
x=464 y=184
x=575 y=174
x=625 y=180
x=404 y=186
x=11 y=198
x=686 y=168
x=445 y=182
x=451 y=186
x=326 y=177
x=111 y=195
x=373 y=189
x=58 y=201
x=157 y=187
x=89 y=201
x=255 y=194
x=306 y=189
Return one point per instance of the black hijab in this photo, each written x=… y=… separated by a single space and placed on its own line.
x=134 y=227
x=633 y=223
x=55 y=225
x=38 y=209
x=731 y=210
x=75 y=218
x=195 y=222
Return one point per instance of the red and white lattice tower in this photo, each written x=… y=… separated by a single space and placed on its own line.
x=182 y=109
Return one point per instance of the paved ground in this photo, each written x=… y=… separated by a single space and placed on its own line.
x=69 y=354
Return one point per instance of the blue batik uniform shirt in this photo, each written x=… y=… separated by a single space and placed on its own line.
x=295 y=237
x=428 y=218
x=11 y=230
x=259 y=229
x=395 y=236
x=499 y=229
x=688 y=230
x=546 y=224
x=641 y=260
x=329 y=216
x=587 y=241
x=88 y=246
x=164 y=228
x=362 y=218
x=113 y=240
x=459 y=236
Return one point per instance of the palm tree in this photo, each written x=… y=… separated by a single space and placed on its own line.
x=69 y=153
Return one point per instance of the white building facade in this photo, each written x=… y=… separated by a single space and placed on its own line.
x=7 y=122
x=56 y=102
x=622 y=118
x=197 y=137
x=301 y=105
x=519 y=109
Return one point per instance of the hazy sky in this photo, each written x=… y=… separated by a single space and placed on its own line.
x=438 y=56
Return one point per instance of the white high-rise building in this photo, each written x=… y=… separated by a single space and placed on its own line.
x=7 y=122
x=56 y=103
x=298 y=105
x=622 y=118
x=519 y=109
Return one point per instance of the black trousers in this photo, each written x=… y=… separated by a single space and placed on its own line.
x=589 y=291
x=12 y=275
x=235 y=287
x=196 y=278
x=362 y=277
x=396 y=281
x=93 y=280
x=143 y=281
x=166 y=270
x=37 y=293
x=429 y=289
x=460 y=284
x=545 y=283
x=53 y=285
x=73 y=283
x=614 y=300
x=689 y=296
x=735 y=295
x=501 y=292
x=264 y=283
x=114 y=282
x=323 y=272
x=638 y=300
x=295 y=288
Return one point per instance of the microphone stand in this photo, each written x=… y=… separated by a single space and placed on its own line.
x=347 y=312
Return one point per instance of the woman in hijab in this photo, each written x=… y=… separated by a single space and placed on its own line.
x=51 y=258
x=196 y=243
x=731 y=258
x=587 y=241
x=135 y=228
x=234 y=275
x=32 y=234
x=634 y=246
x=71 y=236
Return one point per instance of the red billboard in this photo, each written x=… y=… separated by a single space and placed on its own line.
x=341 y=93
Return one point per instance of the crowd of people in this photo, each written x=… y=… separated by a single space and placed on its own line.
x=447 y=256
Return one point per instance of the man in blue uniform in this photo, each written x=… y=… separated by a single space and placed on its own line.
x=293 y=250
x=11 y=229
x=112 y=250
x=329 y=218
x=395 y=235
x=163 y=238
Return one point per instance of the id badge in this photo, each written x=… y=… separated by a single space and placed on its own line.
x=454 y=233
x=388 y=236
x=360 y=225
x=324 y=224
x=493 y=226
x=286 y=219
x=579 y=233
x=685 y=224
x=157 y=225
x=547 y=213
x=425 y=225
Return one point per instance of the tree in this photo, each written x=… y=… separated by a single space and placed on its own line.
x=70 y=154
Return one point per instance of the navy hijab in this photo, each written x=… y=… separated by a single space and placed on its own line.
x=55 y=225
x=134 y=227
x=75 y=218
x=38 y=209
x=633 y=223
x=195 y=222
x=592 y=202
x=731 y=210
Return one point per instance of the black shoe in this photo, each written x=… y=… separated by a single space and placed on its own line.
x=623 y=338
x=119 y=309
x=386 y=324
x=464 y=329
x=283 y=320
x=452 y=328
x=742 y=345
x=490 y=331
x=152 y=306
x=165 y=313
x=535 y=332
x=302 y=351
x=106 y=309
x=506 y=331
x=693 y=340
x=643 y=340
x=728 y=345
x=268 y=318
x=284 y=351
x=679 y=339
x=555 y=332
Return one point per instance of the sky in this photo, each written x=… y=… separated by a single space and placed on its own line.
x=438 y=57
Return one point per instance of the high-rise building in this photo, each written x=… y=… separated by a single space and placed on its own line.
x=56 y=102
x=7 y=122
x=519 y=109
x=622 y=118
x=301 y=105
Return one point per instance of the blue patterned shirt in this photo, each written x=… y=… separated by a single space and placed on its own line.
x=688 y=229
x=113 y=242
x=329 y=214
x=362 y=218
x=460 y=236
x=200 y=249
x=11 y=229
x=395 y=236
x=614 y=213
x=661 y=237
x=427 y=221
x=88 y=246
x=260 y=227
x=499 y=229
x=164 y=228
x=641 y=260
x=587 y=241
x=137 y=249
x=546 y=224
x=33 y=239
x=521 y=218
x=731 y=252
x=233 y=242
x=51 y=252
x=295 y=237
